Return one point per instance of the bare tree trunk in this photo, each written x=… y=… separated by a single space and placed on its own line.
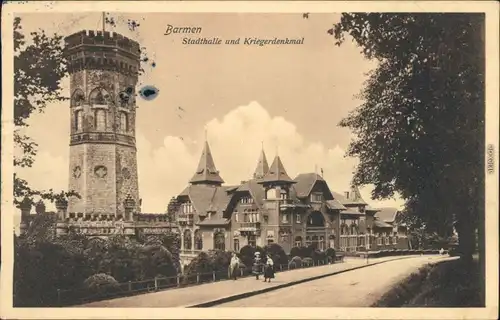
x=466 y=236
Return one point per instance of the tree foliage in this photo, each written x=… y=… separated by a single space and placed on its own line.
x=419 y=129
x=39 y=67
x=44 y=263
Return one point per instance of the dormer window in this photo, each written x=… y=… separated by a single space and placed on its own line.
x=316 y=197
x=187 y=207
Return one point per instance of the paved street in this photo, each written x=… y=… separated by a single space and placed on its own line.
x=357 y=288
x=194 y=295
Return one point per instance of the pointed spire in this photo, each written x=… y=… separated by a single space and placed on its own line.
x=355 y=196
x=262 y=165
x=206 y=173
x=277 y=173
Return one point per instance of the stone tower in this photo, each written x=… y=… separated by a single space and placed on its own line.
x=103 y=70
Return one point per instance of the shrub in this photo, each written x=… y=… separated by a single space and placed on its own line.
x=318 y=256
x=295 y=262
x=155 y=259
x=202 y=265
x=277 y=254
x=101 y=284
x=307 y=262
x=295 y=252
x=247 y=254
x=330 y=252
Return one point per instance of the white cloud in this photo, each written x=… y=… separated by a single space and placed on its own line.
x=235 y=141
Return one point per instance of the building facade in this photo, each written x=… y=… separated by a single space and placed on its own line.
x=271 y=207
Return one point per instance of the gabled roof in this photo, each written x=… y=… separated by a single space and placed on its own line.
x=262 y=166
x=334 y=205
x=206 y=173
x=305 y=183
x=352 y=211
x=381 y=224
x=207 y=198
x=354 y=197
x=277 y=173
x=387 y=214
x=255 y=189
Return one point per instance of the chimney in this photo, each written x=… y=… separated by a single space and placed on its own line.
x=346 y=194
x=62 y=207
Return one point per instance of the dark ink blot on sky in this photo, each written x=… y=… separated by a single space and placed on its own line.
x=148 y=93
x=153 y=64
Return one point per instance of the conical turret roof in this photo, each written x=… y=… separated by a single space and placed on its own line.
x=206 y=173
x=262 y=166
x=355 y=196
x=276 y=173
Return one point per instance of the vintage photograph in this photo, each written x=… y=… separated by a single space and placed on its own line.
x=248 y=159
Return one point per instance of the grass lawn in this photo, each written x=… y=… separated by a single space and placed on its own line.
x=444 y=284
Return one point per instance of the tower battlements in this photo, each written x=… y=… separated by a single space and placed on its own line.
x=103 y=39
x=89 y=49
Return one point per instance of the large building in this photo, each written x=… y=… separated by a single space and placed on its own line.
x=271 y=207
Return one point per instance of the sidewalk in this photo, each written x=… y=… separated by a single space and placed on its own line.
x=211 y=293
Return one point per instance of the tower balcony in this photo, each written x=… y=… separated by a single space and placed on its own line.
x=185 y=218
x=249 y=227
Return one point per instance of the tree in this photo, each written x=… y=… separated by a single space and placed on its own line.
x=419 y=130
x=39 y=68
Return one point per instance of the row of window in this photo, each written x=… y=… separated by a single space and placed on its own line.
x=100 y=96
x=187 y=207
x=246 y=200
x=100 y=120
x=248 y=216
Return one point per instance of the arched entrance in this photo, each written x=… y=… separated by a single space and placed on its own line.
x=315 y=230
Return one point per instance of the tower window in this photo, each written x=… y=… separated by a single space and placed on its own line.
x=78 y=120
x=123 y=122
x=100 y=119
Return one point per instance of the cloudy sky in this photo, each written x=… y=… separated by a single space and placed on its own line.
x=291 y=98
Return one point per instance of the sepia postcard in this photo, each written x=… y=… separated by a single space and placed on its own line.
x=250 y=160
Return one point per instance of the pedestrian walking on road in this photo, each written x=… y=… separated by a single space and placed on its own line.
x=257 y=265
x=234 y=266
x=269 y=269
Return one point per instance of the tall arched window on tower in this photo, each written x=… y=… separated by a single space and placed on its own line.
x=123 y=122
x=78 y=120
x=100 y=119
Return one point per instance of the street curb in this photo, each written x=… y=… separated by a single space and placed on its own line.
x=239 y=296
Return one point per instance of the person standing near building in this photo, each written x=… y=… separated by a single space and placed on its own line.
x=269 y=269
x=234 y=266
x=257 y=265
